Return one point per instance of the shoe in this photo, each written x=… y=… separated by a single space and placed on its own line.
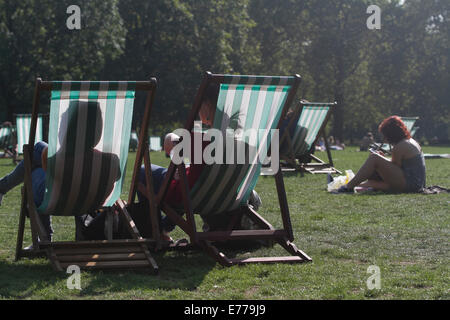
x=343 y=189
x=255 y=200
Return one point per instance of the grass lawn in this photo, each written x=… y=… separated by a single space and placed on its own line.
x=405 y=235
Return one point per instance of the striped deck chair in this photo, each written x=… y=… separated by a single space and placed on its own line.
x=89 y=134
x=305 y=127
x=6 y=140
x=244 y=102
x=155 y=144
x=409 y=123
x=23 y=122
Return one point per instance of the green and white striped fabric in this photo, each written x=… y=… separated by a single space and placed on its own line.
x=409 y=122
x=155 y=143
x=89 y=135
x=307 y=128
x=5 y=137
x=23 y=124
x=244 y=102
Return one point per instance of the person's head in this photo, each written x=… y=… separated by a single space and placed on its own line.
x=394 y=130
x=209 y=104
x=88 y=112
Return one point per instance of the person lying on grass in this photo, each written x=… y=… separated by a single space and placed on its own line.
x=405 y=172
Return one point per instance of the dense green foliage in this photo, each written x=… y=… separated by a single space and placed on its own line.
x=403 y=68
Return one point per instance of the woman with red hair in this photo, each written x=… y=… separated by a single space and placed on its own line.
x=405 y=172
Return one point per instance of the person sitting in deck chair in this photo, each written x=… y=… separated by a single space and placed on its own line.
x=73 y=154
x=206 y=113
x=405 y=172
x=174 y=196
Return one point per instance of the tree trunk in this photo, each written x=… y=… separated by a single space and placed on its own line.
x=338 y=123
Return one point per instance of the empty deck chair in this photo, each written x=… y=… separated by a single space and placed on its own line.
x=244 y=102
x=305 y=127
x=155 y=144
x=23 y=123
x=89 y=134
x=409 y=123
x=6 y=140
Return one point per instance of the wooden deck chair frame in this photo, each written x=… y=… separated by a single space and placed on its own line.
x=203 y=240
x=292 y=161
x=21 y=133
x=105 y=254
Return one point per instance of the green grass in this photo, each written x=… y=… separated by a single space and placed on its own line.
x=405 y=235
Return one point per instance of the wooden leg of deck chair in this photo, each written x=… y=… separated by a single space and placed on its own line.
x=135 y=233
x=284 y=205
x=258 y=219
x=215 y=253
x=109 y=224
x=20 y=232
x=54 y=260
x=292 y=249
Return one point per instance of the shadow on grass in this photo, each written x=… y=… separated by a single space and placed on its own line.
x=177 y=271
x=7 y=164
x=183 y=270
x=21 y=281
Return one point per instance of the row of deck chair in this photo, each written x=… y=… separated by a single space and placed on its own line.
x=306 y=126
x=80 y=180
x=88 y=142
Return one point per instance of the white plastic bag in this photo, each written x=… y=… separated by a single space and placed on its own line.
x=340 y=181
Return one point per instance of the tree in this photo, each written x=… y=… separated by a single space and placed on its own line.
x=177 y=42
x=35 y=41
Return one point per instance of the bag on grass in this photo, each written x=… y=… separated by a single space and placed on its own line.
x=92 y=226
x=340 y=181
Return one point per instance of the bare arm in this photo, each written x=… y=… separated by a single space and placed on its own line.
x=397 y=155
